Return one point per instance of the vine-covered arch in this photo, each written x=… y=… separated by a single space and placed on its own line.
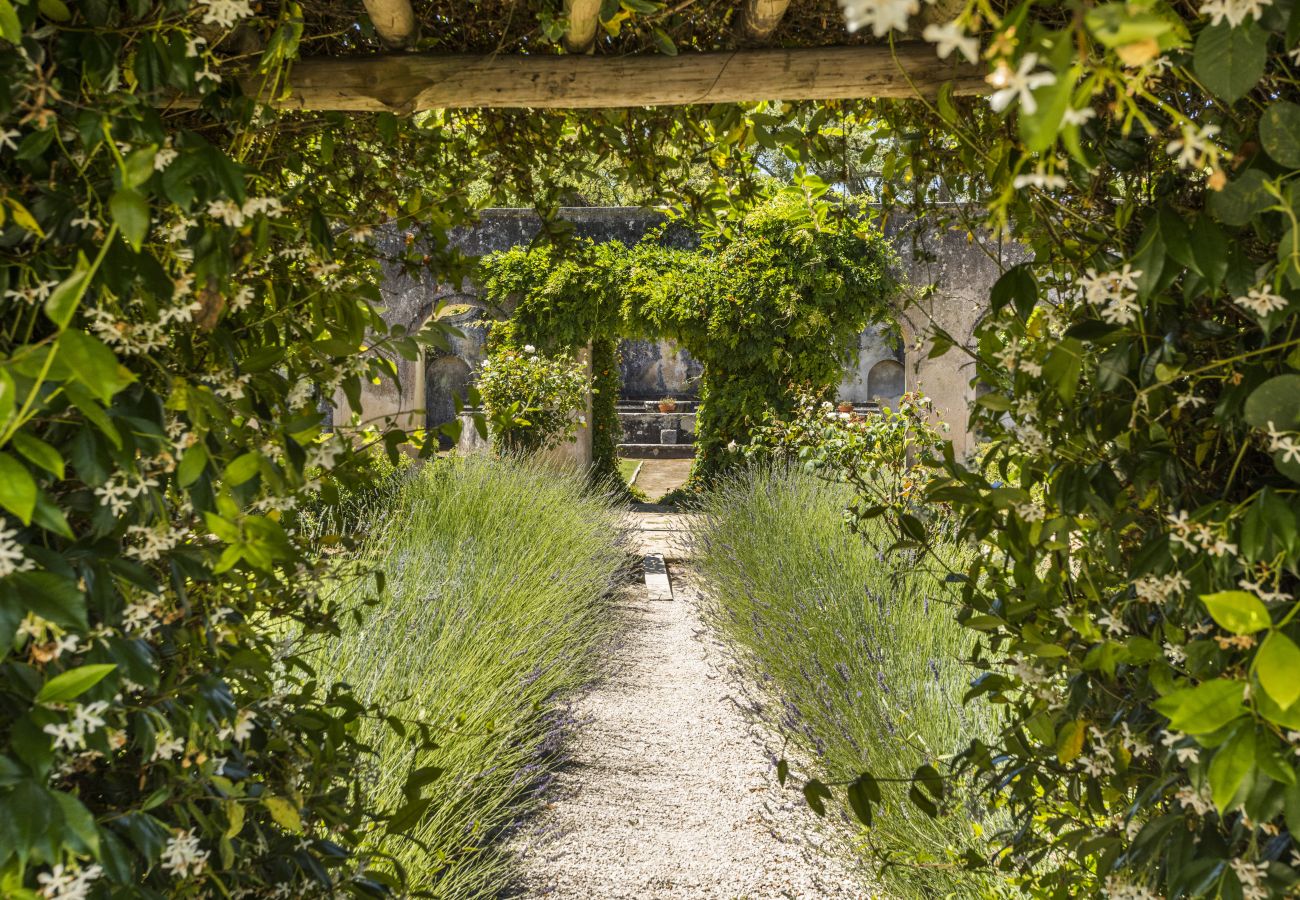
x=772 y=308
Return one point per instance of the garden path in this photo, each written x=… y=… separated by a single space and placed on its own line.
x=669 y=792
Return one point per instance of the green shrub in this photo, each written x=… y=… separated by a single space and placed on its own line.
x=534 y=402
x=497 y=577
x=860 y=653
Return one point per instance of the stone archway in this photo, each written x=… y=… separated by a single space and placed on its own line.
x=444 y=378
x=886 y=380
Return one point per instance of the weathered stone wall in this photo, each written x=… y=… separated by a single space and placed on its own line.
x=961 y=271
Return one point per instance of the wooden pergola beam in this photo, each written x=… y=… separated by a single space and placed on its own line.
x=394 y=22
x=405 y=83
x=759 y=18
x=584 y=19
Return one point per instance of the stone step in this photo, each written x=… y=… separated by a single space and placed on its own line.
x=657 y=585
x=656 y=451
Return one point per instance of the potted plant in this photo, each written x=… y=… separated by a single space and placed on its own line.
x=667 y=405
x=845 y=406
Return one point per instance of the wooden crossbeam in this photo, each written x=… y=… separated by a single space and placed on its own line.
x=394 y=22
x=584 y=19
x=406 y=83
x=759 y=18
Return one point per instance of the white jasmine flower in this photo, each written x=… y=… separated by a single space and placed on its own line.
x=1261 y=301
x=66 y=736
x=1119 y=889
x=88 y=717
x=1234 y=11
x=182 y=856
x=12 y=557
x=166 y=746
x=1018 y=84
x=1159 y=590
x=1253 y=877
x=243 y=297
x=225 y=13
x=7 y=138
x=226 y=211
x=879 y=15
x=164 y=158
x=63 y=884
x=1074 y=116
x=268 y=206
x=1194 y=148
x=949 y=37
x=1039 y=178
x=1195 y=800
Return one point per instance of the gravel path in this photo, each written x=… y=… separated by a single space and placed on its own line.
x=670 y=793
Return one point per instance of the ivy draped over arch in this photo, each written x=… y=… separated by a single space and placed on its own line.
x=778 y=303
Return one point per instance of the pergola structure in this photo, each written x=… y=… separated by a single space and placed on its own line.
x=404 y=80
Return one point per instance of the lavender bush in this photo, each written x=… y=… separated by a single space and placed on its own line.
x=860 y=654
x=497 y=573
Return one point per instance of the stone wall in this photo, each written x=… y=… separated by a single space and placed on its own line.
x=960 y=270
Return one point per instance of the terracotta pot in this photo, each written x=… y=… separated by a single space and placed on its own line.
x=667 y=407
x=846 y=407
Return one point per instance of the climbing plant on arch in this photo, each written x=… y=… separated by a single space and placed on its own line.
x=775 y=305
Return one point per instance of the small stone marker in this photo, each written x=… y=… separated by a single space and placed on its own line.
x=657 y=585
x=668 y=435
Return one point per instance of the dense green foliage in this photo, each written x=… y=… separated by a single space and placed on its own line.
x=497 y=575
x=533 y=401
x=774 y=305
x=1137 y=504
x=606 y=431
x=885 y=455
x=860 y=651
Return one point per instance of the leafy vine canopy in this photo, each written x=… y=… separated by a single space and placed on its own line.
x=184 y=268
x=775 y=305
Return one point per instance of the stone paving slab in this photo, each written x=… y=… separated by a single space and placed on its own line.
x=657 y=585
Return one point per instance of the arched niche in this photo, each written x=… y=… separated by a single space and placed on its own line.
x=444 y=378
x=886 y=380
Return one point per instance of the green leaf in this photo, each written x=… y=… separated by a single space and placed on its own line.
x=8 y=400
x=1241 y=199
x=1238 y=611
x=193 y=462
x=1230 y=61
x=39 y=452
x=131 y=213
x=10 y=28
x=1205 y=708
x=1230 y=766
x=242 y=468
x=73 y=683
x=1275 y=404
x=285 y=813
x=79 y=824
x=1277 y=663
x=1279 y=132
x=93 y=364
x=63 y=302
x=1069 y=740
x=17 y=488
x=56 y=10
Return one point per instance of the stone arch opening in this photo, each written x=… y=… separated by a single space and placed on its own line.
x=886 y=380
x=445 y=378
